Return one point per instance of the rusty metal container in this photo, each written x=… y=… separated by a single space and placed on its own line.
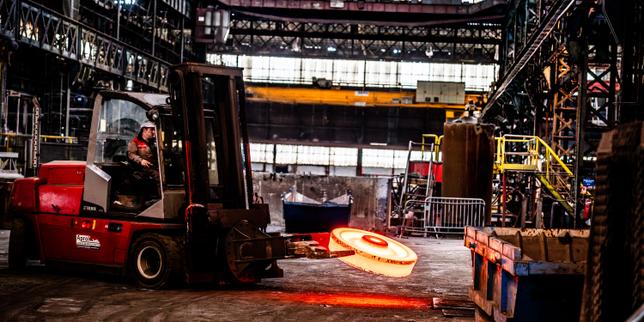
x=527 y=274
x=468 y=160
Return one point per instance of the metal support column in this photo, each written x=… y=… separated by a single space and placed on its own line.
x=67 y=104
x=182 y=40
x=154 y=27
x=4 y=103
x=118 y=20
x=563 y=106
x=582 y=106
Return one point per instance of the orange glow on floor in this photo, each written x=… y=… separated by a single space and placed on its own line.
x=355 y=300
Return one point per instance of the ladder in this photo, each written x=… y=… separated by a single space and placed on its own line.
x=523 y=153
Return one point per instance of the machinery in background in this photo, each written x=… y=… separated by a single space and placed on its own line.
x=440 y=92
x=531 y=187
x=197 y=222
x=467 y=154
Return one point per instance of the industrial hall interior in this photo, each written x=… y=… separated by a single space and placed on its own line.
x=322 y=160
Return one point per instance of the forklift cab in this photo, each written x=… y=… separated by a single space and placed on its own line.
x=201 y=148
x=115 y=185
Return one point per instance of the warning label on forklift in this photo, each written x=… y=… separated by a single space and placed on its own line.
x=86 y=241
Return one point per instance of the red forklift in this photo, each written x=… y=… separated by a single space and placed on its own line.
x=196 y=223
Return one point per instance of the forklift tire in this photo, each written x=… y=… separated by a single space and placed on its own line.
x=155 y=260
x=17 y=245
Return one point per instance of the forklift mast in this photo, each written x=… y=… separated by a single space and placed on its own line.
x=208 y=115
x=208 y=111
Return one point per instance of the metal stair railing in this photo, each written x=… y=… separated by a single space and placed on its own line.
x=532 y=154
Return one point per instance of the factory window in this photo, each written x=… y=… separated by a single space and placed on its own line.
x=283 y=69
x=343 y=72
x=260 y=152
x=418 y=155
x=304 y=155
x=422 y=155
x=338 y=156
x=381 y=73
x=348 y=72
x=256 y=68
x=445 y=72
x=378 y=158
x=411 y=73
x=229 y=60
x=479 y=76
x=316 y=68
x=312 y=155
x=400 y=159
x=344 y=157
x=286 y=154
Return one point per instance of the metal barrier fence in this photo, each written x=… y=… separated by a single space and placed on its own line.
x=445 y=215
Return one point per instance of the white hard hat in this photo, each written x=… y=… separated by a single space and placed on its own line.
x=147 y=124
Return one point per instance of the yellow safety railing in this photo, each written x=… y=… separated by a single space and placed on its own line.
x=43 y=138
x=429 y=139
x=532 y=154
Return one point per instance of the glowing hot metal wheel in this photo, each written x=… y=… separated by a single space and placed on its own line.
x=373 y=252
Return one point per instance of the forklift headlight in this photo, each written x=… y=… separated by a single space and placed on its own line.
x=153 y=115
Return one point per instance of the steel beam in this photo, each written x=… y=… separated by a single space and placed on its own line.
x=368 y=7
x=34 y=25
x=534 y=42
x=473 y=42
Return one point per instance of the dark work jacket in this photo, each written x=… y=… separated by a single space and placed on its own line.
x=138 y=150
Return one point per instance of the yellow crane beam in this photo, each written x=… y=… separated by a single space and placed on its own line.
x=345 y=97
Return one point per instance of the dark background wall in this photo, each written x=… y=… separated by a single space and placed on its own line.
x=395 y=126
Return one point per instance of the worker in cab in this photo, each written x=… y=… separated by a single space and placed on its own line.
x=142 y=153
x=142 y=149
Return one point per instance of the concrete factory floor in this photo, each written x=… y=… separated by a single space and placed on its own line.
x=312 y=290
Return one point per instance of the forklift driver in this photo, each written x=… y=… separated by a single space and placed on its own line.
x=142 y=152
x=141 y=149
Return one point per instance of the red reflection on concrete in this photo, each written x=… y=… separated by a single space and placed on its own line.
x=355 y=300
